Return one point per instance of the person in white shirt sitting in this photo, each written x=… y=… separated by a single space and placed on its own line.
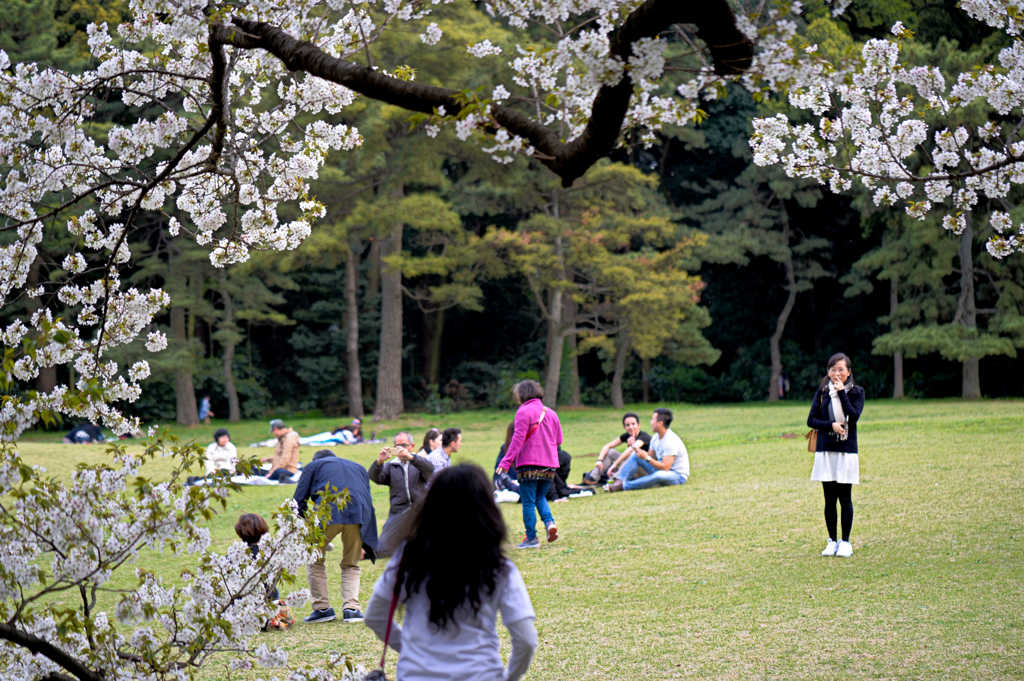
x=667 y=462
x=453 y=578
x=221 y=454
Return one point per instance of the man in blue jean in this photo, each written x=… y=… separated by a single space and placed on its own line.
x=666 y=462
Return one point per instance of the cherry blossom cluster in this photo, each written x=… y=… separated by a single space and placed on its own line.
x=220 y=182
x=58 y=539
x=559 y=82
x=880 y=122
x=562 y=80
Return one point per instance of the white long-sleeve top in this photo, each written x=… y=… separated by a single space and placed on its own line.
x=221 y=458
x=467 y=649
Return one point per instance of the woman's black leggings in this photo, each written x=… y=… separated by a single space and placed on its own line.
x=838 y=491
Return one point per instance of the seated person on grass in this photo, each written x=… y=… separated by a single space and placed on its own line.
x=84 y=434
x=249 y=528
x=559 y=488
x=667 y=463
x=221 y=453
x=344 y=433
x=506 y=480
x=610 y=459
x=285 y=461
x=356 y=428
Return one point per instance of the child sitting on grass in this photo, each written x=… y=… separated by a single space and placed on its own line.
x=249 y=528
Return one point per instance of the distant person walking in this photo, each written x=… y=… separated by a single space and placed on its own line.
x=835 y=410
x=454 y=580
x=533 y=450
x=205 y=413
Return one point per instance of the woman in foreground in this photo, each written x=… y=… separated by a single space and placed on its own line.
x=453 y=578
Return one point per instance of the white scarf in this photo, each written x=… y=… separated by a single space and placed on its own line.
x=837 y=408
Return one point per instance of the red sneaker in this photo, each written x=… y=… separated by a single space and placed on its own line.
x=552 y=532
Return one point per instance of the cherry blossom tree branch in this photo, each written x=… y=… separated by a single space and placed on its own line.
x=730 y=50
x=39 y=646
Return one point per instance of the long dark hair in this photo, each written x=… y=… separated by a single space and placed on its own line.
x=831 y=363
x=509 y=432
x=432 y=434
x=454 y=548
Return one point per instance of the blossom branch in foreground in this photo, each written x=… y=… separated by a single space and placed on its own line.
x=57 y=539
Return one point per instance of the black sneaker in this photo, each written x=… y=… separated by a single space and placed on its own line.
x=325 y=615
x=351 y=615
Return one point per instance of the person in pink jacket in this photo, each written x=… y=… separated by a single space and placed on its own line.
x=534 y=452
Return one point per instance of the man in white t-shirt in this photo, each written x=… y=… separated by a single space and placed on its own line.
x=667 y=462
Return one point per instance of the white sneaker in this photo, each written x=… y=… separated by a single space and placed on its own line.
x=830 y=548
x=845 y=549
x=505 y=496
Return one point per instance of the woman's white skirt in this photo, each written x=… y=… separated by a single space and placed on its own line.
x=841 y=467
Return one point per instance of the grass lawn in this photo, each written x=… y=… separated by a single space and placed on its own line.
x=721 y=578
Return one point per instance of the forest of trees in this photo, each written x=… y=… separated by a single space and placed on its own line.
x=672 y=271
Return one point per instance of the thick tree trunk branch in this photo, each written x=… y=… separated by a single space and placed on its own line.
x=354 y=379
x=730 y=50
x=774 y=343
x=39 y=646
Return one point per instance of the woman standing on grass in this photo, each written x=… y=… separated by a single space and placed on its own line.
x=536 y=437
x=836 y=407
x=454 y=579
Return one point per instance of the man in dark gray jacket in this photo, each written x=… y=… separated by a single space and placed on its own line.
x=406 y=475
x=355 y=523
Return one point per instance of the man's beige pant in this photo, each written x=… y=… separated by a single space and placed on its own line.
x=352 y=547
